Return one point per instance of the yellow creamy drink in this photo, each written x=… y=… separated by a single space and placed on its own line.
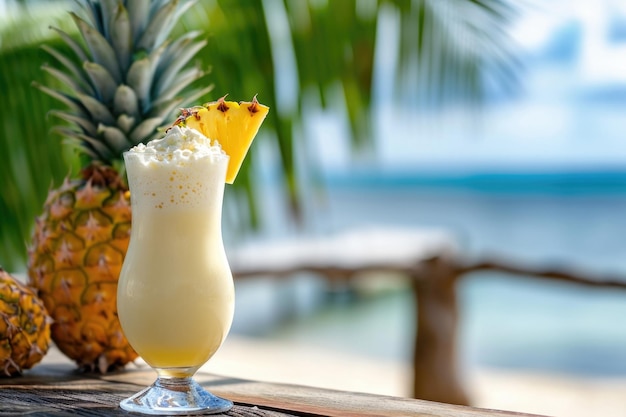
x=175 y=292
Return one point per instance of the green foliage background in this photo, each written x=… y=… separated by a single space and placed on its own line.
x=445 y=48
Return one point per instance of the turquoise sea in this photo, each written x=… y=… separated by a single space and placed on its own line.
x=566 y=219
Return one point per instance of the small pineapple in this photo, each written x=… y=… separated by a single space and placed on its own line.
x=119 y=91
x=24 y=326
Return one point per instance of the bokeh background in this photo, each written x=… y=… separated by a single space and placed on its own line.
x=499 y=122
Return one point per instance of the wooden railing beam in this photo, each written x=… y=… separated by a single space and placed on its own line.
x=434 y=267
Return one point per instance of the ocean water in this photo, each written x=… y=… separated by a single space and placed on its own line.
x=573 y=221
x=573 y=218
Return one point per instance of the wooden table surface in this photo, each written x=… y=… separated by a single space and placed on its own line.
x=55 y=388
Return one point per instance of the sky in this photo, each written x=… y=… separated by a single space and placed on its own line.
x=570 y=111
x=600 y=60
x=569 y=114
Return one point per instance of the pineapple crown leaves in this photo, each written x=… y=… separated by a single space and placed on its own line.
x=124 y=80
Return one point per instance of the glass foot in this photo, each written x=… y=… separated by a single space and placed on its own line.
x=175 y=396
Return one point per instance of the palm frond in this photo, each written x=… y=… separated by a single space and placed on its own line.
x=446 y=50
x=32 y=158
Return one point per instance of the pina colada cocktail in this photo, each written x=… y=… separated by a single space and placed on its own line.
x=175 y=292
x=175 y=295
x=178 y=301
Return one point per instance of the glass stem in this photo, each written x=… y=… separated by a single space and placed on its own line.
x=179 y=384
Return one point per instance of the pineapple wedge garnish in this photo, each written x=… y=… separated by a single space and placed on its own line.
x=234 y=125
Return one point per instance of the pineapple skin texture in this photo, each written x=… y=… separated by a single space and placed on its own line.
x=79 y=244
x=24 y=327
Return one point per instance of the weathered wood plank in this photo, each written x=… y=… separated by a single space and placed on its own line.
x=331 y=403
x=55 y=388
x=89 y=398
x=52 y=401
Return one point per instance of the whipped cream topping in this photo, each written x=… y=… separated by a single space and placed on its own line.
x=179 y=144
x=183 y=170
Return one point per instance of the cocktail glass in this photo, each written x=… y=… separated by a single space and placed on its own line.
x=175 y=292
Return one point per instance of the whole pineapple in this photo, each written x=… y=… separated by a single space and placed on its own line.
x=24 y=326
x=120 y=90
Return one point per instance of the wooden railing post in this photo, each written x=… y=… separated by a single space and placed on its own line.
x=435 y=361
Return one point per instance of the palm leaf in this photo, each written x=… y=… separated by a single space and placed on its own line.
x=445 y=48
x=32 y=158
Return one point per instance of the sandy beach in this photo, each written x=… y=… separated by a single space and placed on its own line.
x=523 y=391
